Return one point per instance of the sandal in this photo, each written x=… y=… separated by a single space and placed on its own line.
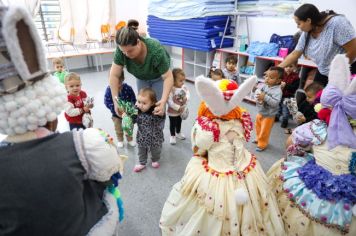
x=288 y=131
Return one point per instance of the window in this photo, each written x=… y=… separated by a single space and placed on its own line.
x=47 y=19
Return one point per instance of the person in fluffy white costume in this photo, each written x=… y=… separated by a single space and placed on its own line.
x=315 y=184
x=50 y=183
x=224 y=190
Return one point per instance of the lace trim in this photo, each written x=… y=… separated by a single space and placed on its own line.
x=247 y=125
x=240 y=174
x=322 y=220
x=209 y=125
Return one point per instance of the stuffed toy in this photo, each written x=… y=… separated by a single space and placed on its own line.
x=224 y=190
x=127 y=120
x=50 y=183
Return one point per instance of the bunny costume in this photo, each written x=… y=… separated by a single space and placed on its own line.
x=50 y=183
x=316 y=191
x=224 y=190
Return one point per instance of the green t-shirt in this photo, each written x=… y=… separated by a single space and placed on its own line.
x=60 y=75
x=157 y=61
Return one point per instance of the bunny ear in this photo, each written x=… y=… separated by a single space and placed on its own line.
x=211 y=95
x=244 y=89
x=209 y=91
x=339 y=74
x=351 y=89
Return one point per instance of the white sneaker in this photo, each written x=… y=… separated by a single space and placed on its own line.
x=120 y=144
x=180 y=136
x=172 y=140
x=132 y=143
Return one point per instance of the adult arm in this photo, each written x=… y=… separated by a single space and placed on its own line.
x=115 y=84
x=350 y=48
x=167 y=87
x=291 y=58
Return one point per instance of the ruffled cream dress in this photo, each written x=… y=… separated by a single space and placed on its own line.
x=302 y=186
x=204 y=202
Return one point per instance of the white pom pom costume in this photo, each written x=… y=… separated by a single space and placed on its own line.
x=50 y=183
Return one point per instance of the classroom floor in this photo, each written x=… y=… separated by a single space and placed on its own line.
x=145 y=193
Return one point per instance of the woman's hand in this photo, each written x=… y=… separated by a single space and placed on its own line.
x=159 y=109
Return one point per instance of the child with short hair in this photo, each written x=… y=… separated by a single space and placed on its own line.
x=126 y=94
x=268 y=100
x=177 y=103
x=149 y=129
x=60 y=72
x=306 y=106
x=75 y=107
x=230 y=70
x=289 y=85
x=217 y=74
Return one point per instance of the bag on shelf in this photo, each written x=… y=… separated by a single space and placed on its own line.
x=286 y=41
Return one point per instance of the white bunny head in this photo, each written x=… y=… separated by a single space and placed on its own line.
x=218 y=103
x=340 y=76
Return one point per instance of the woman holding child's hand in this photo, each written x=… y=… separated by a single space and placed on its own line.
x=147 y=60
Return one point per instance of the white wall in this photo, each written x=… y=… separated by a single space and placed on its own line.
x=133 y=9
x=261 y=28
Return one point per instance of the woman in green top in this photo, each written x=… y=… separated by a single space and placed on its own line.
x=147 y=60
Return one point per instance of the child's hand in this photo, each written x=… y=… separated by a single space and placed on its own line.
x=260 y=97
x=86 y=109
x=283 y=84
x=301 y=119
x=181 y=109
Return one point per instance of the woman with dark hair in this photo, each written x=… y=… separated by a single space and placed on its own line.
x=325 y=34
x=147 y=60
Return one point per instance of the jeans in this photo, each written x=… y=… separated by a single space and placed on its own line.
x=76 y=126
x=155 y=84
x=283 y=112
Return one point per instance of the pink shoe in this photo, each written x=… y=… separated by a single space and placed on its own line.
x=138 y=168
x=155 y=164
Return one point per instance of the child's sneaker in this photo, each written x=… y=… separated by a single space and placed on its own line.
x=120 y=144
x=139 y=167
x=258 y=149
x=132 y=143
x=172 y=140
x=180 y=136
x=155 y=164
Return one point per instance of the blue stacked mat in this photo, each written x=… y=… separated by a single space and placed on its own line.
x=202 y=33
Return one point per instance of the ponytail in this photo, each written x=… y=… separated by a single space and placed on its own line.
x=127 y=36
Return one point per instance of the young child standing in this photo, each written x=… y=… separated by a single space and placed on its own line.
x=230 y=70
x=289 y=85
x=126 y=94
x=268 y=100
x=177 y=103
x=149 y=129
x=60 y=71
x=75 y=108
